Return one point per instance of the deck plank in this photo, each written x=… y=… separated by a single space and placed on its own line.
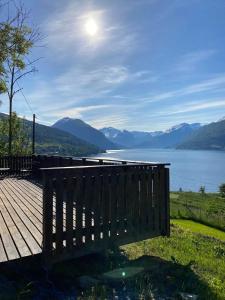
x=27 y=200
x=20 y=219
x=14 y=231
x=33 y=245
x=34 y=193
x=31 y=220
x=11 y=250
x=3 y=256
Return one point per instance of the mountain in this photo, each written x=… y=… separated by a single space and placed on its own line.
x=123 y=138
x=157 y=139
x=85 y=132
x=208 y=137
x=55 y=141
x=127 y=138
x=171 y=137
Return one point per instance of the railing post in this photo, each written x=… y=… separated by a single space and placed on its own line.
x=47 y=216
x=164 y=209
x=167 y=201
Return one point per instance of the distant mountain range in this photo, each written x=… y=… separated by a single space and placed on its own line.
x=182 y=136
x=157 y=139
x=127 y=138
x=85 y=132
x=75 y=137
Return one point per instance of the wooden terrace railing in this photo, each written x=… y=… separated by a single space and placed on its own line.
x=15 y=164
x=89 y=208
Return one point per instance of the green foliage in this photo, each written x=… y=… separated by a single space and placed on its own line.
x=202 y=189
x=222 y=190
x=15 y=43
x=21 y=144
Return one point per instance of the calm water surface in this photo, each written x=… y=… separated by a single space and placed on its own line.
x=189 y=168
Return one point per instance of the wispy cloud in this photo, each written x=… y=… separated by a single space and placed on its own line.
x=191 y=61
x=80 y=86
x=206 y=85
x=77 y=112
x=192 y=106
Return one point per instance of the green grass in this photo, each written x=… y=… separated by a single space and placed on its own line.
x=188 y=262
x=200 y=229
x=208 y=208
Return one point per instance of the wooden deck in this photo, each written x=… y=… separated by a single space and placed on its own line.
x=20 y=219
x=81 y=206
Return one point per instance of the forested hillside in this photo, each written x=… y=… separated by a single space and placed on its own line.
x=209 y=137
x=55 y=141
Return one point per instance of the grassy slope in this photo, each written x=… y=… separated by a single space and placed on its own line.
x=200 y=228
x=208 y=208
x=197 y=262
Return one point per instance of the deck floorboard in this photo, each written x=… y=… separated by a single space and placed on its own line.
x=20 y=219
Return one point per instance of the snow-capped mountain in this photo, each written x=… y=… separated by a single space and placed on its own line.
x=167 y=139
x=183 y=126
x=128 y=138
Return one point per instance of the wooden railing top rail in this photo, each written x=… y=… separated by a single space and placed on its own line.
x=122 y=161
x=78 y=168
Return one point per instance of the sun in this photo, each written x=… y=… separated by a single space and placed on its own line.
x=91 y=27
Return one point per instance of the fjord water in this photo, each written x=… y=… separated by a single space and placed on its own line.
x=189 y=169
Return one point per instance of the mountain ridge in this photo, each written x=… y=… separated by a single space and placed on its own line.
x=208 y=137
x=85 y=132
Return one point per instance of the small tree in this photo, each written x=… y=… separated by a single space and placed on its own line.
x=222 y=190
x=16 y=41
x=202 y=189
x=21 y=144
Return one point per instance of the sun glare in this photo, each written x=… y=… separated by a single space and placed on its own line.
x=91 y=27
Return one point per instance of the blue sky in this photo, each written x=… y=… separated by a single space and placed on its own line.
x=152 y=63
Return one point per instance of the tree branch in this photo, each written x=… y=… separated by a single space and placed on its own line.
x=24 y=74
x=17 y=91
